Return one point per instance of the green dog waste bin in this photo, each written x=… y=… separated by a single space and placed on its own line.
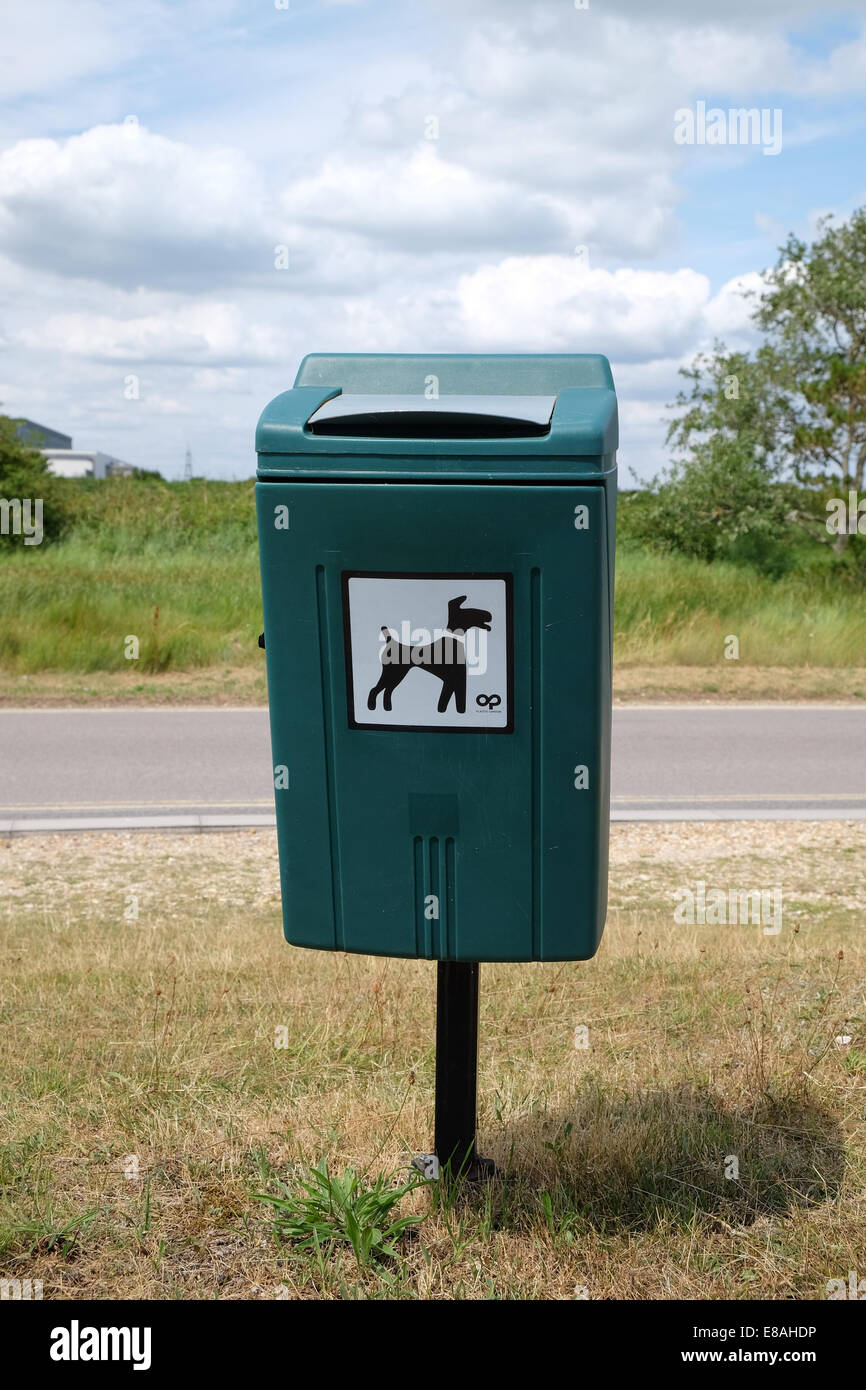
x=437 y=545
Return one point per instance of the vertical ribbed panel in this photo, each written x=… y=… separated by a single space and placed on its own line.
x=436 y=887
x=449 y=897
x=435 y=873
x=423 y=944
x=328 y=722
x=535 y=755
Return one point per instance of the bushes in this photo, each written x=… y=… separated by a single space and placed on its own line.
x=711 y=500
x=24 y=476
x=721 y=507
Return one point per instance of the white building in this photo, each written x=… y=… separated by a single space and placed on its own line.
x=85 y=463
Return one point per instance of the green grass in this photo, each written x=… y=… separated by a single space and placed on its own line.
x=73 y=607
x=319 y=1211
x=176 y=566
x=673 y=610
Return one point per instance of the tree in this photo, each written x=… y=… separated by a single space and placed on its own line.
x=722 y=483
x=813 y=312
x=794 y=410
x=24 y=474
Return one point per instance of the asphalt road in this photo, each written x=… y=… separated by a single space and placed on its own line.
x=206 y=768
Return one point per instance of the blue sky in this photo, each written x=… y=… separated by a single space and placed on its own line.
x=153 y=157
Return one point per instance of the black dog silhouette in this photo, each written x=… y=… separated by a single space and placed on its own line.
x=445 y=658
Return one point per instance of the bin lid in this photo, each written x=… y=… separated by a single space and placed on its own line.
x=386 y=416
x=393 y=416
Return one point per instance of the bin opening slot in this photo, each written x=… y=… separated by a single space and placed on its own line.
x=446 y=417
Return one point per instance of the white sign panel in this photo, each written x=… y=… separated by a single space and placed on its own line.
x=429 y=651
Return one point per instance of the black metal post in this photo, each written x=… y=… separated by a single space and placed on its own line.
x=457 y=1069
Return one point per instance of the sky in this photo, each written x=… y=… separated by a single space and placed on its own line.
x=194 y=195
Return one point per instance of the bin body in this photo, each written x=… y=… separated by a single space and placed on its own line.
x=438 y=629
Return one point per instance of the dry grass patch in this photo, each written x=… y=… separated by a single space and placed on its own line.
x=209 y=685
x=144 y=1103
x=731 y=682
x=719 y=682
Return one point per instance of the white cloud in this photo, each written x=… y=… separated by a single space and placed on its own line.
x=94 y=38
x=221 y=381
x=123 y=205
x=201 y=331
x=551 y=302
x=423 y=203
x=661 y=13
x=131 y=250
x=728 y=315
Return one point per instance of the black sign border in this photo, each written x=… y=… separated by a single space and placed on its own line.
x=507 y=728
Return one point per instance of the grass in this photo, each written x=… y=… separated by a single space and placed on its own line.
x=322 y=1211
x=675 y=611
x=672 y=610
x=733 y=682
x=73 y=608
x=146 y=1108
x=175 y=565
